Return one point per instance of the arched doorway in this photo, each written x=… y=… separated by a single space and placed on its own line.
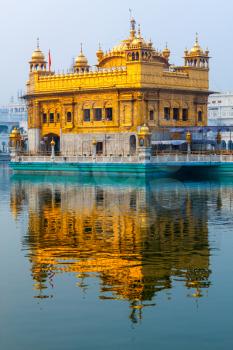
x=99 y=148
x=132 y=144
x=223 y=145
x=46 y=143
x=230 y=145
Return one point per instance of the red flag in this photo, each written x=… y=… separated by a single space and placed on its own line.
x=50 y=61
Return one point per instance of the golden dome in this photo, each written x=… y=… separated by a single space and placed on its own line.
x=144 y=130
x=38 y=55
x=15 y=133
x=166 y=52
x=122 y=46
x=99 y=53
x=196 y=48
x=81 y=60
x=139 y=39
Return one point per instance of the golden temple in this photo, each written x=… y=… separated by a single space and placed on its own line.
x=101 y=109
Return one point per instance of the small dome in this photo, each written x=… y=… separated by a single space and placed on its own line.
x=144 y=130
x=166 y=52
x=37 y=62
x=81 y=60
x=139 y=41
x=99 y=53
x=196 y=48
x=122 y=46
x=38 y=55
x=15 y=133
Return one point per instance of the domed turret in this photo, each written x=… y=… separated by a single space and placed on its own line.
x=37 y=62
x=196 y=48
x=144 y=130
x=166 y=52
x=15 y=139
x=139 y=41
x=196 y=57
x=99 y=53
x=38 y=55
x=81 y=63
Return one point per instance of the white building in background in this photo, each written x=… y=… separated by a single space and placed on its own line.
x=220 y=114
x=13 y=114
x=220 y=109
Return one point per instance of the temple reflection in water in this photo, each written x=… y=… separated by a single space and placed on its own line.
x=128 y=236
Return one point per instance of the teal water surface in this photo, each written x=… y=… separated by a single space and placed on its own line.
x=115 y=263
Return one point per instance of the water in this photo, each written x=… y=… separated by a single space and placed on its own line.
x=101 y=263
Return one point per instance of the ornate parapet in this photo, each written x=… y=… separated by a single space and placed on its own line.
x=99 y=78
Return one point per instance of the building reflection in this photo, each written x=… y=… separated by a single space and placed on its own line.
x=136 y=239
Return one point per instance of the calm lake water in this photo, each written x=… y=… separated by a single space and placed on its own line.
x=107 y=263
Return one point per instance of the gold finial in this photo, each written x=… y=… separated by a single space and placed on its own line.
x=197 y=38
x=38 y=43
x=166 y=52
x=81 y=47
x=188 y=137
x=132 y=25
x=52 y=143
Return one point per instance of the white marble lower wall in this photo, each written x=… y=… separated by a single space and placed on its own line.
x=34 y=140
x=82 y=144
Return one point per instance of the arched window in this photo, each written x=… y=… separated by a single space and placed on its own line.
x=108 y=113
x=185 y=114
x=51 y=117
x=176 y=113
x=200 y=116
x=151 y=114
x=44 y=118
x=98 y=114
x=69 y=117
x=167 y=112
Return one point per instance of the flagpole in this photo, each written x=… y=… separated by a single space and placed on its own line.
x=50 y=61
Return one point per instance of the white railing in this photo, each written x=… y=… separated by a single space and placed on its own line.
x=75 y=159
x=169 y=159
x=192 y=158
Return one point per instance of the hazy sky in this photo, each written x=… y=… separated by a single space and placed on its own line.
x=62 y=24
